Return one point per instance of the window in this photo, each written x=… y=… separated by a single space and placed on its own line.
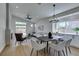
x=65 y=27
x=61 y=26
x=21 y=28
x=21 y=23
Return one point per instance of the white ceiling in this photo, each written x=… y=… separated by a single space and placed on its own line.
x=39 y=11
x=71 y=18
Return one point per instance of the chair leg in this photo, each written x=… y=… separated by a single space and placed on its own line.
x=21 y=42
x=63 y=52
x=41 y=42
x=44 y=51
x=37 y=53
x=58 y=53
x=26 y=40
x=66 y=51
x=31 y=52
x=15 y=42
x=69 y=49
x=54 y=52
x=49 y=51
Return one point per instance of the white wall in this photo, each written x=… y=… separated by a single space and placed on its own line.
x=2 y=25
x=12 y=24
x=28 y=28
x=47 y=26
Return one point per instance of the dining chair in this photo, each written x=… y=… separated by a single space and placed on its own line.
x=19 y=38
x=67 y=46
x=59 y=48
x=36 y=46
x=35 y=39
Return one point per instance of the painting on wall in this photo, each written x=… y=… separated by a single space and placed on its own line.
x=41 y=27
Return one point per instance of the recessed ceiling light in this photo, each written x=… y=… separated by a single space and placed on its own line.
x=31 y=25
x=39 y=3
x=17 y=7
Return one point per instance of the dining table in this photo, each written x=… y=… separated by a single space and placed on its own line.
x=46 y=39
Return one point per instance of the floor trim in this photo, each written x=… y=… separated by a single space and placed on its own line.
x=3 y=49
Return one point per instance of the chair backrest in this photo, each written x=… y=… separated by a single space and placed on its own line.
x=60 y=46
x=68 y=42
x=67 y=37
x=18 y=36
x=34 y=44
x=34 y=39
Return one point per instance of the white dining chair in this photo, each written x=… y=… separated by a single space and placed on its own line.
x=67 y=46
x=36 y=46
x=35 y=39
x=59 y=48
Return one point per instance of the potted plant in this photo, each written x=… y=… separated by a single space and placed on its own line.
x=76 y=30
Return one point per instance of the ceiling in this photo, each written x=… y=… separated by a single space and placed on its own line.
x=71 y=18
x=38 y=11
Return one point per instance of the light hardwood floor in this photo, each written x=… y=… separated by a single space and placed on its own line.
x=21 y=50
x=25 y=50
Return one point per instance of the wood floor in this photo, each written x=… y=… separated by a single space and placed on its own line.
x=22 y=50
x=25 y=50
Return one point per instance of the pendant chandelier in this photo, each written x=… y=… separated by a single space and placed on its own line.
x=54 y=15
x=28 y=17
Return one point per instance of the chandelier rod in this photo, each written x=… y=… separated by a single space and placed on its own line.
x=54 y=10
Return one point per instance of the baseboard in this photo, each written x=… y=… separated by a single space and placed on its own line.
x=74 y=46
x=1 y=51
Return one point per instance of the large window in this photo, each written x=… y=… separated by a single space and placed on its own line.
x=21 y=28
x=61 y=26
x=65 y=27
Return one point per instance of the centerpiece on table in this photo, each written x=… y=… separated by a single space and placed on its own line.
x=76 y=29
